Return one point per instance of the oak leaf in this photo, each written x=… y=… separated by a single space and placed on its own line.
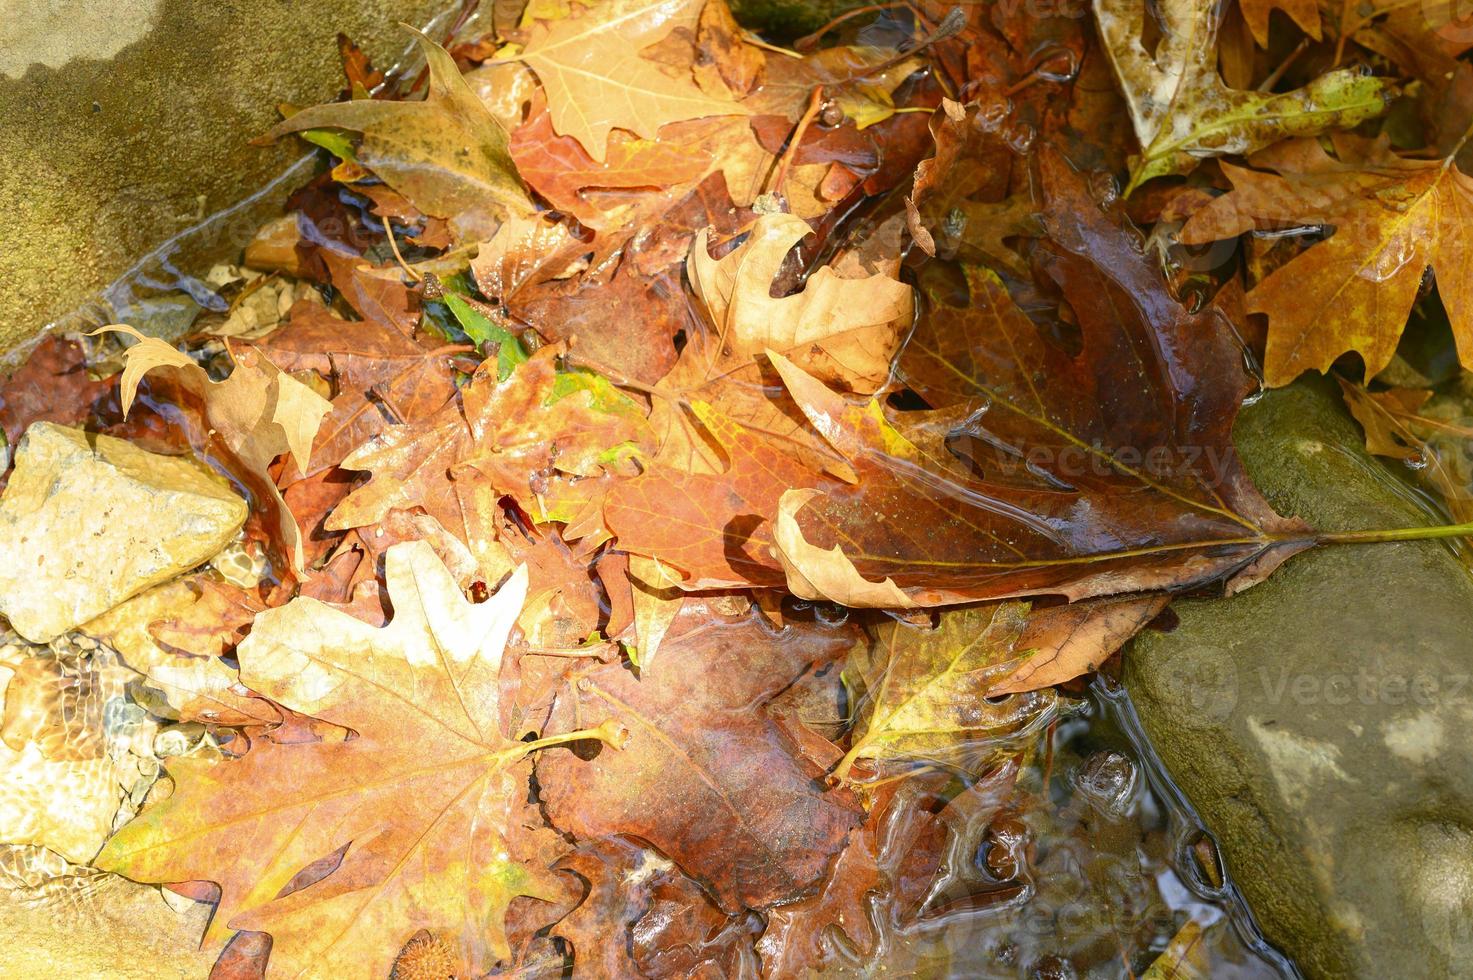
x=447 y=153
x=595 y=79
x=174 y=635
x=1393 y=219
x=253 y=416
x=1182 y=110
x=843 y=328
x=409 y=814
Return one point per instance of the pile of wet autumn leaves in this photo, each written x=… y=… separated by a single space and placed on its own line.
x=665 y=450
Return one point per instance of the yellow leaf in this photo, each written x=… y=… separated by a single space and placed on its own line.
x=596 y=80
x=415 y=805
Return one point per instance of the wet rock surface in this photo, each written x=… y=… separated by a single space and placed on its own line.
x=127 y=121
x=87 y=521
x=1319 y=722
x=77 y=759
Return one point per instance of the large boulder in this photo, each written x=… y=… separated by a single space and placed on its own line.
x=88 y=521
x=1320 y=722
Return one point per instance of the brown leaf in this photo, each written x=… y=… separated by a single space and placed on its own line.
x=51 y=386
x=1393 y=219
x=706 y=776
x=403 y=827
x=381 y=377
x=1086 y=483
x=511 y=431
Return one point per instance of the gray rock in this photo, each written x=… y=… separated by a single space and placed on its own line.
x=88 y=521
x=1320 y=722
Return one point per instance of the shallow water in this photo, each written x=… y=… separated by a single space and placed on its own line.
x=1088 y=869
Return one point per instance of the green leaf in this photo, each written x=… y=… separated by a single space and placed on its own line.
x=334 y=141
x=921 y=691
x=482 y=329
x=1182 y=110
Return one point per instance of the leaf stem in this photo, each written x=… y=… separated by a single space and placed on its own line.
x=1396 y=534
x=611 y=731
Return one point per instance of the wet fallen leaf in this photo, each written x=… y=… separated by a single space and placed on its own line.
x=253 y=416
x=917 y=689
x=535 y=421
x=1039 y=452
x=706 y=777
x=1183 y=112
x=1393 y=219
x=409 y=813
x=447 y=153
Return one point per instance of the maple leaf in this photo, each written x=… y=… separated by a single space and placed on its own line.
x=595 y=79
x=412 y=807
x=253 y=416
x=1393 y=219
x=447 y=154
x=917 y=689
x=1183 y=112
x=706 y=776
x=536 y=421
x=380 y=375
x=1090 y=484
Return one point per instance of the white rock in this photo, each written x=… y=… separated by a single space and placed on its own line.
x=88 y=521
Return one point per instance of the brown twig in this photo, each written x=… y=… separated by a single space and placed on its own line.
x=815 y=103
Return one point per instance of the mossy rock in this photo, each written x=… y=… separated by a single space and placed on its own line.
x=1319 y=721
